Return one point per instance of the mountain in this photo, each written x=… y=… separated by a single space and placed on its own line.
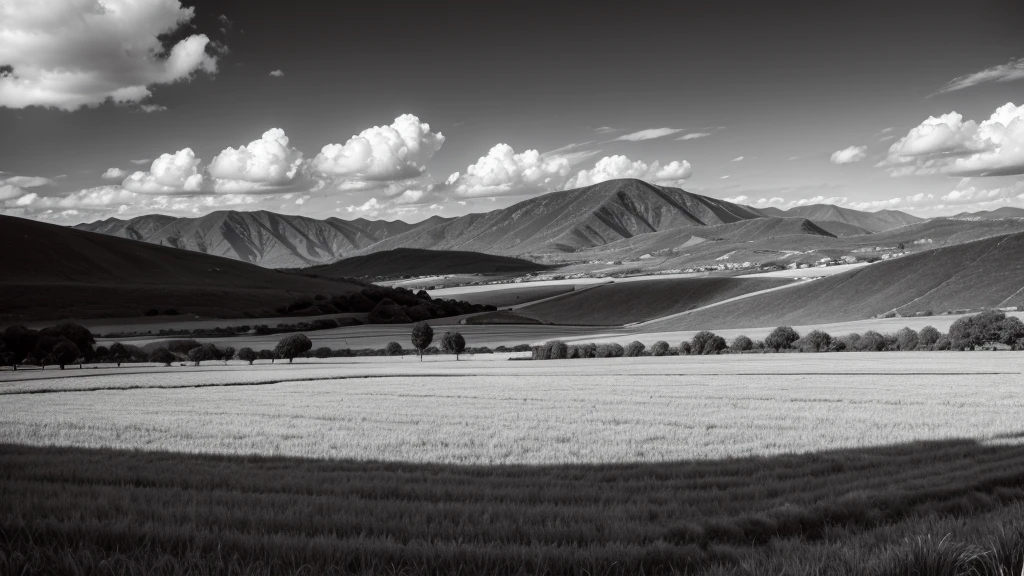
x=417 y=262
x=871 y=221
x=260 y=237
x=980 y=274
x=57 y=272
x=997 y=214
x=573 y=220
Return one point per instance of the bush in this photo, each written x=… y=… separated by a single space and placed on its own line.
x=611 y=350
x=588 y=350
x=163 y=356
x=247 y=355
x=928 y=336
x=700 y=340
x=906 y=339
x=816 y=341
x=293 y=345
x=871 y=341
x=558 y=350
x=942 y=343
x=684 y=348
x=714 y=346
x=394 y=349
x=741 y=344
x=780 y=338
x=634 y=349
x=659 y=348
x=322 y=352
x=267 y=355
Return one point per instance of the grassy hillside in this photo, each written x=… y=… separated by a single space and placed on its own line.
x=625 y=302
x=417 y=262
x=978 y=274
x=55 y=272
x=873 y=221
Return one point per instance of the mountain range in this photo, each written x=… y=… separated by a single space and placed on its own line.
x=560 y=223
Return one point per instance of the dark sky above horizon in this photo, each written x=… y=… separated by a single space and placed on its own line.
x=765 y=103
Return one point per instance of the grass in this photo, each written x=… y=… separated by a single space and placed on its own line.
x=501 y=317
x=513 y=295
x=625 y=302
x=927 y=508
x=419 y=262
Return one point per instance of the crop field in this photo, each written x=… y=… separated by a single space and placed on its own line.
x=781 y=464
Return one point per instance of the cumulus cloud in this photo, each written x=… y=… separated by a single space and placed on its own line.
x=392 y=152
x=169 y=174
x=502 y=171
x=410 y=197
x=369 y=208
x=614 y=167
x=103 y=201
x=264 y=164
x=649 y=134
x=1012 y=70
x=850 y=155
x=69 y=54
x=950 y=145
x=276 y=73
x=114 y=174
x=9 y=191
x=12 y=186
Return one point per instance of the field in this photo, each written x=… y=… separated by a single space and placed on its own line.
x=840 y=464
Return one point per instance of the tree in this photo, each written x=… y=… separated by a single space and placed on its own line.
x=557 y=350
x=64 y=352
x=713 y=346
x=293 y=345
x=6 y=356
x=163 y=356
x=741 y=344
x=781 y=337
x=267 y=355
x=19 y=341
x=77 y=334
x=1011 y=330
x=902 y=246
x=684 y=348
x=634 y=349
x=906 y=339
x=322 y=352
x=201 y=353
x=659 y=348
x=454 y=343
x=118 y=353
x=871 y=341
x=817 y=341
x=422 y=336
x=928 y=336
x=700 y=340
x=247 y=355
x=394 y=348
x=225 y=354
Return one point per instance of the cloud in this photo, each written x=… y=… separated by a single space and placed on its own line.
x=502 y=171
x=69 y=54
x=1012 y=70
x=114 y=174
x=382 y=153
x=604 y=129
x=26 y=181
x=410 y=197
x=694 y=135
x=615 y=167
x=849 y=155
x=141 y=161
x=950 y=145
x=108 y=200
x=649 y=134
x=264 y=164
x=170 y=174
x=276 y=73
x=370 y=208
x=150 y=108
x=10 y=191
x=738 y=159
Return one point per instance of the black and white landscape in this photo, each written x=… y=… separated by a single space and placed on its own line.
x=450 y=288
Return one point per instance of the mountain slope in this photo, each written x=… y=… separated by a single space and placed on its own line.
x=979 y=274
x=998 y=213
x=260 y=237
x=870 y=221
x=417 y=262
x=571 y=220
x=52 y=272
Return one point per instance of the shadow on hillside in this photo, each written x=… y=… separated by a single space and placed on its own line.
x=883 y=510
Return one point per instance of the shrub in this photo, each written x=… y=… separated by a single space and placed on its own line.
x=684 y=348
x=453 y=343
x=267 y=355
x=293 y=345
x=871 y=341
x=634 y=349
x=558 y=350
x=394 y=349
x=700 y=339
x=942 y=343
x=322 y=352
x=741 y=344
x=588 y=350
x=659 y=348
x=610 y=350
x=247 y=355
x=1011 y=330
x=816 y=341
x=781 y=337
x=714 y=346
x=906 y=339
x=928 y=336
x=422 y=336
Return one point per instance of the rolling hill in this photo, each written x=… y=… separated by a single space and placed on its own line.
x=998 y=213
x=973 y=275
x=870 y=221
x=572 y=220
x=416 y=262
x=58 y=272
x=260 y=237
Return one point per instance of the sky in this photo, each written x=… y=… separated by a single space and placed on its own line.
x=410 y=110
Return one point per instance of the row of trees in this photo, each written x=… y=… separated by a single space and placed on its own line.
x=987 y=329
